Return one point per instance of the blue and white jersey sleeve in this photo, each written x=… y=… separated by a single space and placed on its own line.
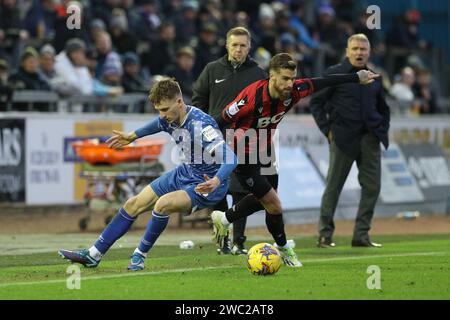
x=229 y=163
x=154 y=126
x=216 y=147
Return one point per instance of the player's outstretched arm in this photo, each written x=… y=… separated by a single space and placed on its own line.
x=120 y=139
x=362 y=77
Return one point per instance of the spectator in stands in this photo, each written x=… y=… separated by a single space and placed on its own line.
x=133 y=79
x=297 y=23
x=403 y=37
x=289 y=45
x=95 y=28
x=405 y=32
x=332 y=38
x=186 y=24
x=150 y=21
x=262 y=58
x=5 y=88
x=104 y=52
x=11 y=31
x=109 y=83
x=70 y=64
x=48 y=73
x=103 y=10
x=265 y=28
x=40 y=20
x=424 y=92
x=163 y=50
x=122 y=39
x=27 y=77
x=402 y=90
x=183 y=71
x=213 y=11
x=132 y=15
x=207 y=49
x=171 y=8
x=282 y=21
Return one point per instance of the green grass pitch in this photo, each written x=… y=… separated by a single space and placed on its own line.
x=411 y=267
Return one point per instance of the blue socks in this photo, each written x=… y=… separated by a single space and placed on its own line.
x=115 y=229
x=155 y=227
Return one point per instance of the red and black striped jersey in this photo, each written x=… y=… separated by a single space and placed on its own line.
x=254 y=109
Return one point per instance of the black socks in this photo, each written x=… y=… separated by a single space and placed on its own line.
x=275 y=225
x=245 y=207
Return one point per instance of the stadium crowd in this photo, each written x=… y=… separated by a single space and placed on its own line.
x=124 y=45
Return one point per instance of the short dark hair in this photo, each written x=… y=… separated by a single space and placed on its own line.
x=239 y=31
x=282 y=61
x=165 y=89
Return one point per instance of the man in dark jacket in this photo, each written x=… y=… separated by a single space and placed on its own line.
x=27 y=76
x=355 y=119
x=183 y=71
x=133 y=79
x=218 y=85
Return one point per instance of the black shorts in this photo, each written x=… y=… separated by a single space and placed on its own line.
x=250 y=177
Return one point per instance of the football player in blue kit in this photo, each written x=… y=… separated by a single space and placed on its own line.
x=198 y=183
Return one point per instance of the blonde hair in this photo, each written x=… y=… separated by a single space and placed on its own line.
x=358 y=37
x=165 y=89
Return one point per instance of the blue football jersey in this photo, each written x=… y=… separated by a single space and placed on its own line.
x=200 y=140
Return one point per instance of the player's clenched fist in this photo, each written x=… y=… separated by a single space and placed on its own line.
x=120 y=139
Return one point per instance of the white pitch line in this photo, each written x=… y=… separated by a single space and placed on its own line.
x=121 y=275
x=134 y=274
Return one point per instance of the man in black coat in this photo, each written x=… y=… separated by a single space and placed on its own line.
x=355 y=119
x=218 y=85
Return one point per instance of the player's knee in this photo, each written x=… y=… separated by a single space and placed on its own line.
x=164 y=205
x=274 y=207
x=132 y=207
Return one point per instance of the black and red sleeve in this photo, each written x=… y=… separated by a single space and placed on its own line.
x=237 y=109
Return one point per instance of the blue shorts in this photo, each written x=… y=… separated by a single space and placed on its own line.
x=181 y=178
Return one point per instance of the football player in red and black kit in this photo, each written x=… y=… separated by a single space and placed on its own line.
x=254 y=115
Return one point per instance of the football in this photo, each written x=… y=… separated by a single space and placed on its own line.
x=263 y=259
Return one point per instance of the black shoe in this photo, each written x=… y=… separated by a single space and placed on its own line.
x=325 y=242
x=226 y=248
x=238 y=249
x=365 y=243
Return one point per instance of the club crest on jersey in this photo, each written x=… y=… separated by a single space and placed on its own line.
x=287 y=102
x=234 y=108
x=249 y=182
x=242 y=102
x=260 y=109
